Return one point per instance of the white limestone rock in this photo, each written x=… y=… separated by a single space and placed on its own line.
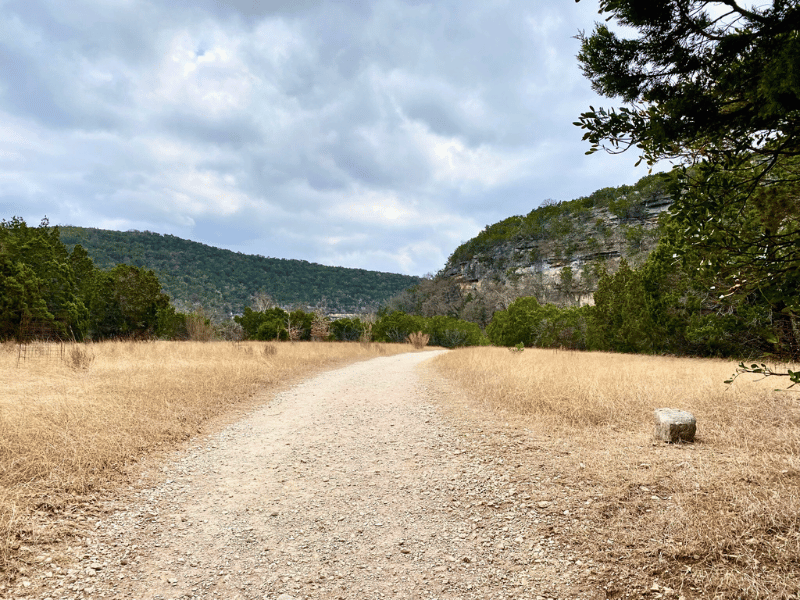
x=674 y=425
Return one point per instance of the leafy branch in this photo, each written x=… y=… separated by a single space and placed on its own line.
x=762 y=369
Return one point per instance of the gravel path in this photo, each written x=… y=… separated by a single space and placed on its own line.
x=353 y=484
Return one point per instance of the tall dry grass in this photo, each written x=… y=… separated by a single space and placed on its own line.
x=419 y=340
x=74 y=416
x=730 y=525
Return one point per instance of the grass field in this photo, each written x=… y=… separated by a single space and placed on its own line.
x=74 y=416
x=726 y=523
x=730 y=525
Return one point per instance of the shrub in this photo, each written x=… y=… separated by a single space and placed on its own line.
x=299 y=325
x=535 y=325
x=264 y=325
x=320 y=327
x=347 y=329
x=396 y=327
x=199 y=327
x=78 y=357
x=450 y=332
x=171 y=324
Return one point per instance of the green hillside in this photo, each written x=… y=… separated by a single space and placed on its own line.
x=223 y=281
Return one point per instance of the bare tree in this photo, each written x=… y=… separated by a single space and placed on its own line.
x=320 y=327
x=295 y=333
x=262 y=301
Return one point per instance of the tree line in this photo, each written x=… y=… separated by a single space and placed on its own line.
x=49 y=292
x=671 y=304
x=390 y=326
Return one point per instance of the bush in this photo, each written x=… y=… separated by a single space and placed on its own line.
x=301 y=323
x=621 y=319
x=396 y=326
x=171 y=324
x=535 y=325
x=264 y=325
x=79 y=357
x=199 y=327
x=450 y=332
x=273 y=328
x=230 y=330
x=348 y=329
x=514 y=325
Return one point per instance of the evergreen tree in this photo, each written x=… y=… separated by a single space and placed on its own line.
x=48 y=292
x=716 y=86
x=38 y=289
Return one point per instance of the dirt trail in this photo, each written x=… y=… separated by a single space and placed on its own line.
x=353 y=484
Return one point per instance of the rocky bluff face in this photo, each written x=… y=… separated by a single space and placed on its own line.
x=558 y=251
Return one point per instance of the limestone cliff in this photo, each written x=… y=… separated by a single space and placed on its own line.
x=557 y=251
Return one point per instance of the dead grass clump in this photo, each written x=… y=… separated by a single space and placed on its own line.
x=419 y=340
x=78 y=357
x=366 y=334
x=67 y=431
x=721 y=515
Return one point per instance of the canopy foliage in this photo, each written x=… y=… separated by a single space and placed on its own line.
x=50 y=292
x=702 y=79
x=715 y=86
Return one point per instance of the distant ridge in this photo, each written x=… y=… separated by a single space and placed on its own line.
x=223 y=281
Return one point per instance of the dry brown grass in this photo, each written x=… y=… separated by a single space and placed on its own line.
x=720 y=516
x=74 y=417
x=419 y=340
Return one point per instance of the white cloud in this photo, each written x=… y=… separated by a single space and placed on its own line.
x=212 y=80
x=462 y=166
x=375 y=135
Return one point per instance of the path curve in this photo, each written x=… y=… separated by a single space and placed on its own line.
x=353 y=484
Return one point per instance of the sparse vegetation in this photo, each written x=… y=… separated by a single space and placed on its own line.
x=320 y=327
x=79 y=356
x=199 y=327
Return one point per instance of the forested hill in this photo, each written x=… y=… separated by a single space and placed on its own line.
x=222 y=281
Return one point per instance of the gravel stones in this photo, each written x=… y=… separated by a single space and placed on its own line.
x=351 y=485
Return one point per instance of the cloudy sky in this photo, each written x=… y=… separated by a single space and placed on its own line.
x=377 y=134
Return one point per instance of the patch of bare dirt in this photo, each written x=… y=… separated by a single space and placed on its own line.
x=354 y=484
